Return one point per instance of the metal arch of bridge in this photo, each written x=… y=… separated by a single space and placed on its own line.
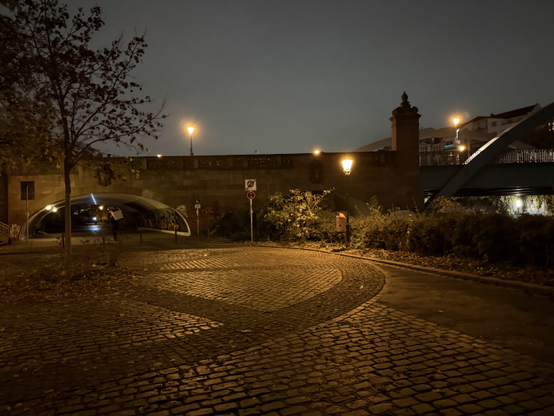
x=492 y=149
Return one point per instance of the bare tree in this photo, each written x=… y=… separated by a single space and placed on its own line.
x=79 y=97
x=24 y=122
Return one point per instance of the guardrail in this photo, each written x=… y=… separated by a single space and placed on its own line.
x=441 y=158
x=452 y=157
x=527 y=156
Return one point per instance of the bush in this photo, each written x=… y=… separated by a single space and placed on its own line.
x=493 y=238
x=448 y=231
x=296 y=216
x=430 y=236
x=536 y=239
x=230 y=224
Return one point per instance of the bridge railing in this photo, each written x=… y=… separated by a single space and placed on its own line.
x=440 y=158
x=527 y=156
x=451 y=157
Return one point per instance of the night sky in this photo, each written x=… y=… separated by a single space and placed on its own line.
x=290 y=76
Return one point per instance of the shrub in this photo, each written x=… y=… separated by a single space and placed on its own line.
x=494 y=238
x=296 y=216
x=449 y=230
x=536 y=239
x=430 y=235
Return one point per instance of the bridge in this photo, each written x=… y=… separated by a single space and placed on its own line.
x=399 y=178
x=512 y=172
x=473 y=167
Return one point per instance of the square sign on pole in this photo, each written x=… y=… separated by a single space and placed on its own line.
x=27 y=190
x=197 y=204
x=250 y=185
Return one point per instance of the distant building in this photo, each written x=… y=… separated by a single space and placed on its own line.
x=497 y=123
x=475 y=133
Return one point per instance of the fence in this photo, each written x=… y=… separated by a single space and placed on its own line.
x=527 y=156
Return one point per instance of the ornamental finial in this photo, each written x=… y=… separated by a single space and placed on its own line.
x=405 y=103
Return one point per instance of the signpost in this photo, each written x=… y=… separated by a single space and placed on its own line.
x=250 y=185
x=251 y=195
x=27 y=193
x=197 y=206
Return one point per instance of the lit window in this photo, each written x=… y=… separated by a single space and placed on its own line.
x=551 y=126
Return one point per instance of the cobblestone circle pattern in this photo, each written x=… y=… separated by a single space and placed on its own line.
x=254 y=331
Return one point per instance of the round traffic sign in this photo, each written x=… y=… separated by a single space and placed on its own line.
x=251 y=195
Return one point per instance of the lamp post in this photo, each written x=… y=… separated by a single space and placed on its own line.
x=191 y=129
x=347 y=168
x=456 y=121
x=461 y=149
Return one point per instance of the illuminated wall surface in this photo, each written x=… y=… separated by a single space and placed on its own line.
x=218 y=181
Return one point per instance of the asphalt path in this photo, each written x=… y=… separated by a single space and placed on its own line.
x=518 y=319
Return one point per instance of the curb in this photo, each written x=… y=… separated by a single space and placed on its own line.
x=514 y=284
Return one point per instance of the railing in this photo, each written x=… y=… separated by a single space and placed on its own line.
x=441 y=158
x=4 y=229
x=527 y=156
x=450 y=157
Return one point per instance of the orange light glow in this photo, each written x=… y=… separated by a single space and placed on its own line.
x=347 y=166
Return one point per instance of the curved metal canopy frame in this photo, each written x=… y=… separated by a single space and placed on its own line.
x=492 y=149
x=125 y=202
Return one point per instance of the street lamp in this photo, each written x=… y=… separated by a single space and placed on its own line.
x=461 y=149
x=347 y=169
x=456 y=121
x=191 y=129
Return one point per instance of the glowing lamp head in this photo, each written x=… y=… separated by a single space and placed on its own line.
x=347 y=166
x=456 y=121
x=461 y=148
x=317 y=152
x=190 y=129
x=159 y=155
x=49 y=208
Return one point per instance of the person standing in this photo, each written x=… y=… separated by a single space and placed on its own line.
x=114 y=223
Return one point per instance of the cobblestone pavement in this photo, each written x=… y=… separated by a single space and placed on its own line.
x=245 y=331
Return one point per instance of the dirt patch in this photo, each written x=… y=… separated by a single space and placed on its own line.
x=481 y=268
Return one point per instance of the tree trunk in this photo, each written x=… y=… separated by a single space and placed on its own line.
x=67 y=232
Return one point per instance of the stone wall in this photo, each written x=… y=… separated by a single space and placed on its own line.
x=3 y=197
x=218 y=181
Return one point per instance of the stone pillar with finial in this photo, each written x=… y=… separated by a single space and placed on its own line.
x=405 y=142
